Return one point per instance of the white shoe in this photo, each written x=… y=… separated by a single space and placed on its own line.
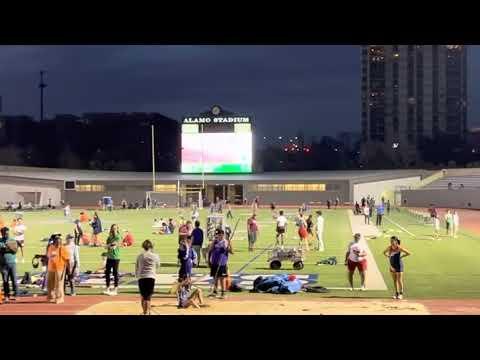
x=363 y=288
x=350 y=289
x=107 y=291
x=114 y=292
x=395 y=297
x=400 y=297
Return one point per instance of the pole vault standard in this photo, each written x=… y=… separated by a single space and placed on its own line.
x=153 y=159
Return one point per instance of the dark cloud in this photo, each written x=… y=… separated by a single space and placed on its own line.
x=313 y=87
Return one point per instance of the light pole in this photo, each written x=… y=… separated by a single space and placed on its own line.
x=153 y=159
x=42 y=86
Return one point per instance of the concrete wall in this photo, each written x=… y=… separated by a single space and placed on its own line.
x=385 y=188
x=459 y=199
x=14 y=192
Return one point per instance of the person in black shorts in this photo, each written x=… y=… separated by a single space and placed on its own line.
x=395 y=253
x=145 y=271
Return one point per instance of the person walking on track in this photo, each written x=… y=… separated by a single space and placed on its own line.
x=395 y=253
x=355 y=258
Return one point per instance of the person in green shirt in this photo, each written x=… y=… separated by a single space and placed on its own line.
x=8 y=266
x=113 y=259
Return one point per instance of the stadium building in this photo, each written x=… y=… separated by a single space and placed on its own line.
x=84 y=188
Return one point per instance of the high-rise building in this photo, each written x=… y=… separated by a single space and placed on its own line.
x=411 y=92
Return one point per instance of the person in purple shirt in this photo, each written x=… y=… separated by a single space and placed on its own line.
x=219 y=250
x=187 y=257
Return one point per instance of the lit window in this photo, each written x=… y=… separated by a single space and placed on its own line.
x=90 y=188
x=287 y=187
x=166 y=188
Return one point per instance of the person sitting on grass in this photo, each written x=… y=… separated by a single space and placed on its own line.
x=171 y=226
x=188 y=295
x=128 y=239
x=158 y=227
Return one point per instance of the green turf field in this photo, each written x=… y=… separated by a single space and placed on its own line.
x=445 y=268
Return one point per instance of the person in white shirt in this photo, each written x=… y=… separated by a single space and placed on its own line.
x=436 y=227
x=456 y=223
x=356 y=257
x=320 y=222
x=366 y=214
x=19 y=234
x=66 y=210
x=281 y=228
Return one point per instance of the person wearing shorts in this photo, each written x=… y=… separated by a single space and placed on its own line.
x=395 y=253
x=303 y=233
x=252 y=232
x=218 y=258
x=355 y=258
x=145 y=271
x=281 y=228
x=19 y=235
x=188 y=295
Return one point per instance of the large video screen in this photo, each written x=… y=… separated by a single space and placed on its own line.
x=216 y=152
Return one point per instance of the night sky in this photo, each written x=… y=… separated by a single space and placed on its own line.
x=316 y=88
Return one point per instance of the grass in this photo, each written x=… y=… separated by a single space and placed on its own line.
x=446 y=268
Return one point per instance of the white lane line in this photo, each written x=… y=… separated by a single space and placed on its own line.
x=399 y=226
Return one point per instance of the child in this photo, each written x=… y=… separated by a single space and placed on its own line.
x=188 y=295
x=66 y=211
x=127 y=239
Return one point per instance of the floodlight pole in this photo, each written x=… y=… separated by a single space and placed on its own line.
x=203 y=164
x=153 y=160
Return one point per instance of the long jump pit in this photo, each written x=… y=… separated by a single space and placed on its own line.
x=283 y=306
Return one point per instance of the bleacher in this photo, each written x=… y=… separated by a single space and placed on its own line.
x=469 y=182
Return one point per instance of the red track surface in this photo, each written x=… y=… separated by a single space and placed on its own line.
x=469 y=219
x=72 y=305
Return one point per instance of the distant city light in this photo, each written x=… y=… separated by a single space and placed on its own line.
x=395 y=145
x=296 y=137
x=279 y=138
x=264 y=138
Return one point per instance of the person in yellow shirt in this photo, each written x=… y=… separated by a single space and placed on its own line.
x=58 y=260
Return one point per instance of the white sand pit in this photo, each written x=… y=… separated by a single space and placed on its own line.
x=269 y=307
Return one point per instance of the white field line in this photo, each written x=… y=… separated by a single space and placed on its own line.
x=399 y=226
x=375 y=280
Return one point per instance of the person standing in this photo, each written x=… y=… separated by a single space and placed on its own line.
x=197 y=241
x=96 y=225
x=19 y=234
x=218 y=259
x=320 y=225
x=184 y=231
x=252 y=232
x=355 y=258
x=113 y=259
x=310 y=229
x=73 y=268
x=8 y=266
x=329 y=203
x=58 y=262
x=337 y=202
x=388 y=207
x=229 y=210
x=449 y=223
x=436 y=227
x=395 y=253
x=187 y=257
x=281 y=228
x=255 y=205
x=303 y=233
x=380 y=212
x=366 y=214
x=455 y=222
x=124 y=204
x=145 y=271
x=67 y=211
x=78 y=232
